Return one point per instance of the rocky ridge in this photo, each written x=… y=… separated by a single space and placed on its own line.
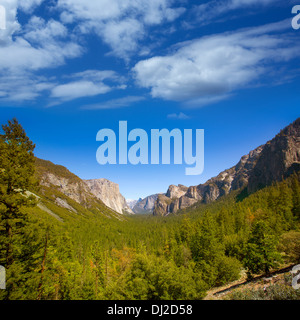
x=82 y=191
x=273 y=161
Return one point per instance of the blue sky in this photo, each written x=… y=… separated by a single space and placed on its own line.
x=69 y=68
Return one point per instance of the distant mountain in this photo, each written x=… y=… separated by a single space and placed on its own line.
x=131 y=203
x=109 y=193
x=61 y=192
x=145 y=205
x=275 y=160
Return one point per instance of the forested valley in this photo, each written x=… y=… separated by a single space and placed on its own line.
x=86 y=254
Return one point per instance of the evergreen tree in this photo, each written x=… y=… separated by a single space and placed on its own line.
x=296 y=196
x=261 y=253
x=16 y=178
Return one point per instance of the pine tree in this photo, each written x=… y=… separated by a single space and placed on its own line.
x=16 y=178
x=261 y=252
x=284 y=204
x=296 y=196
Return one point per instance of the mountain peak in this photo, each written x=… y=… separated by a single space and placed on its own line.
x=279 y=158
x=275 y=160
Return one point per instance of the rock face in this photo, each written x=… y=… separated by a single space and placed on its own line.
x=108 y=192
x=73 y=187
x=145 y=205
x=62 y=187
x=279 y=159
x=176 y=191
x=162 y=205
x=232 y=179
x=271 y=162
x=81 y=191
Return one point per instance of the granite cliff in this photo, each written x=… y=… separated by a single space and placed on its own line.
x=81 y=191
x=109 y=193
x=275 y=160
x=145 y=205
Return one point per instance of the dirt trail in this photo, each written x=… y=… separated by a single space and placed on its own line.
x=216 y=293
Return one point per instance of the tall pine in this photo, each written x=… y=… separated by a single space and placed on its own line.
x=16 y=178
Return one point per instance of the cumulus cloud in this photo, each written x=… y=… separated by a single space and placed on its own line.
x=121 y=24
x=86 y=84
x=78 y=89
x=29 y=5
x=209 y=69
x=151 y=12
x=38 y=45
x=23 y=87
x=11 y=25
x=41 y=45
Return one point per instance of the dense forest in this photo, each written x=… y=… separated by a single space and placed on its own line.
x=88 y=255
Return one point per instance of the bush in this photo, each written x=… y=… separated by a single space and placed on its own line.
x=155 y=278
x=229 y=269
x=276 y=291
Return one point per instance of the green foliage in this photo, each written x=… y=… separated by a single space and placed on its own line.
x=261 y=252
x=289 y=245
x=154 y=278
x=90 y=252
x=16 y=177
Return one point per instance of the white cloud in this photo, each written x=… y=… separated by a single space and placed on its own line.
x=78 y=89
x=29 y=5
x=23 y=87
x=11 y=24
x=151 y=12
x=40 y=45
x=87 y=84
x=98 y=75
x=121 y=24
x=24 y=51
x=115 y=103
x=208 y=11
x=179 y=116
x=40 y=32
x=208 y=69
x=123 y=36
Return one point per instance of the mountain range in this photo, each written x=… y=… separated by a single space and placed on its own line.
x=273 y=161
